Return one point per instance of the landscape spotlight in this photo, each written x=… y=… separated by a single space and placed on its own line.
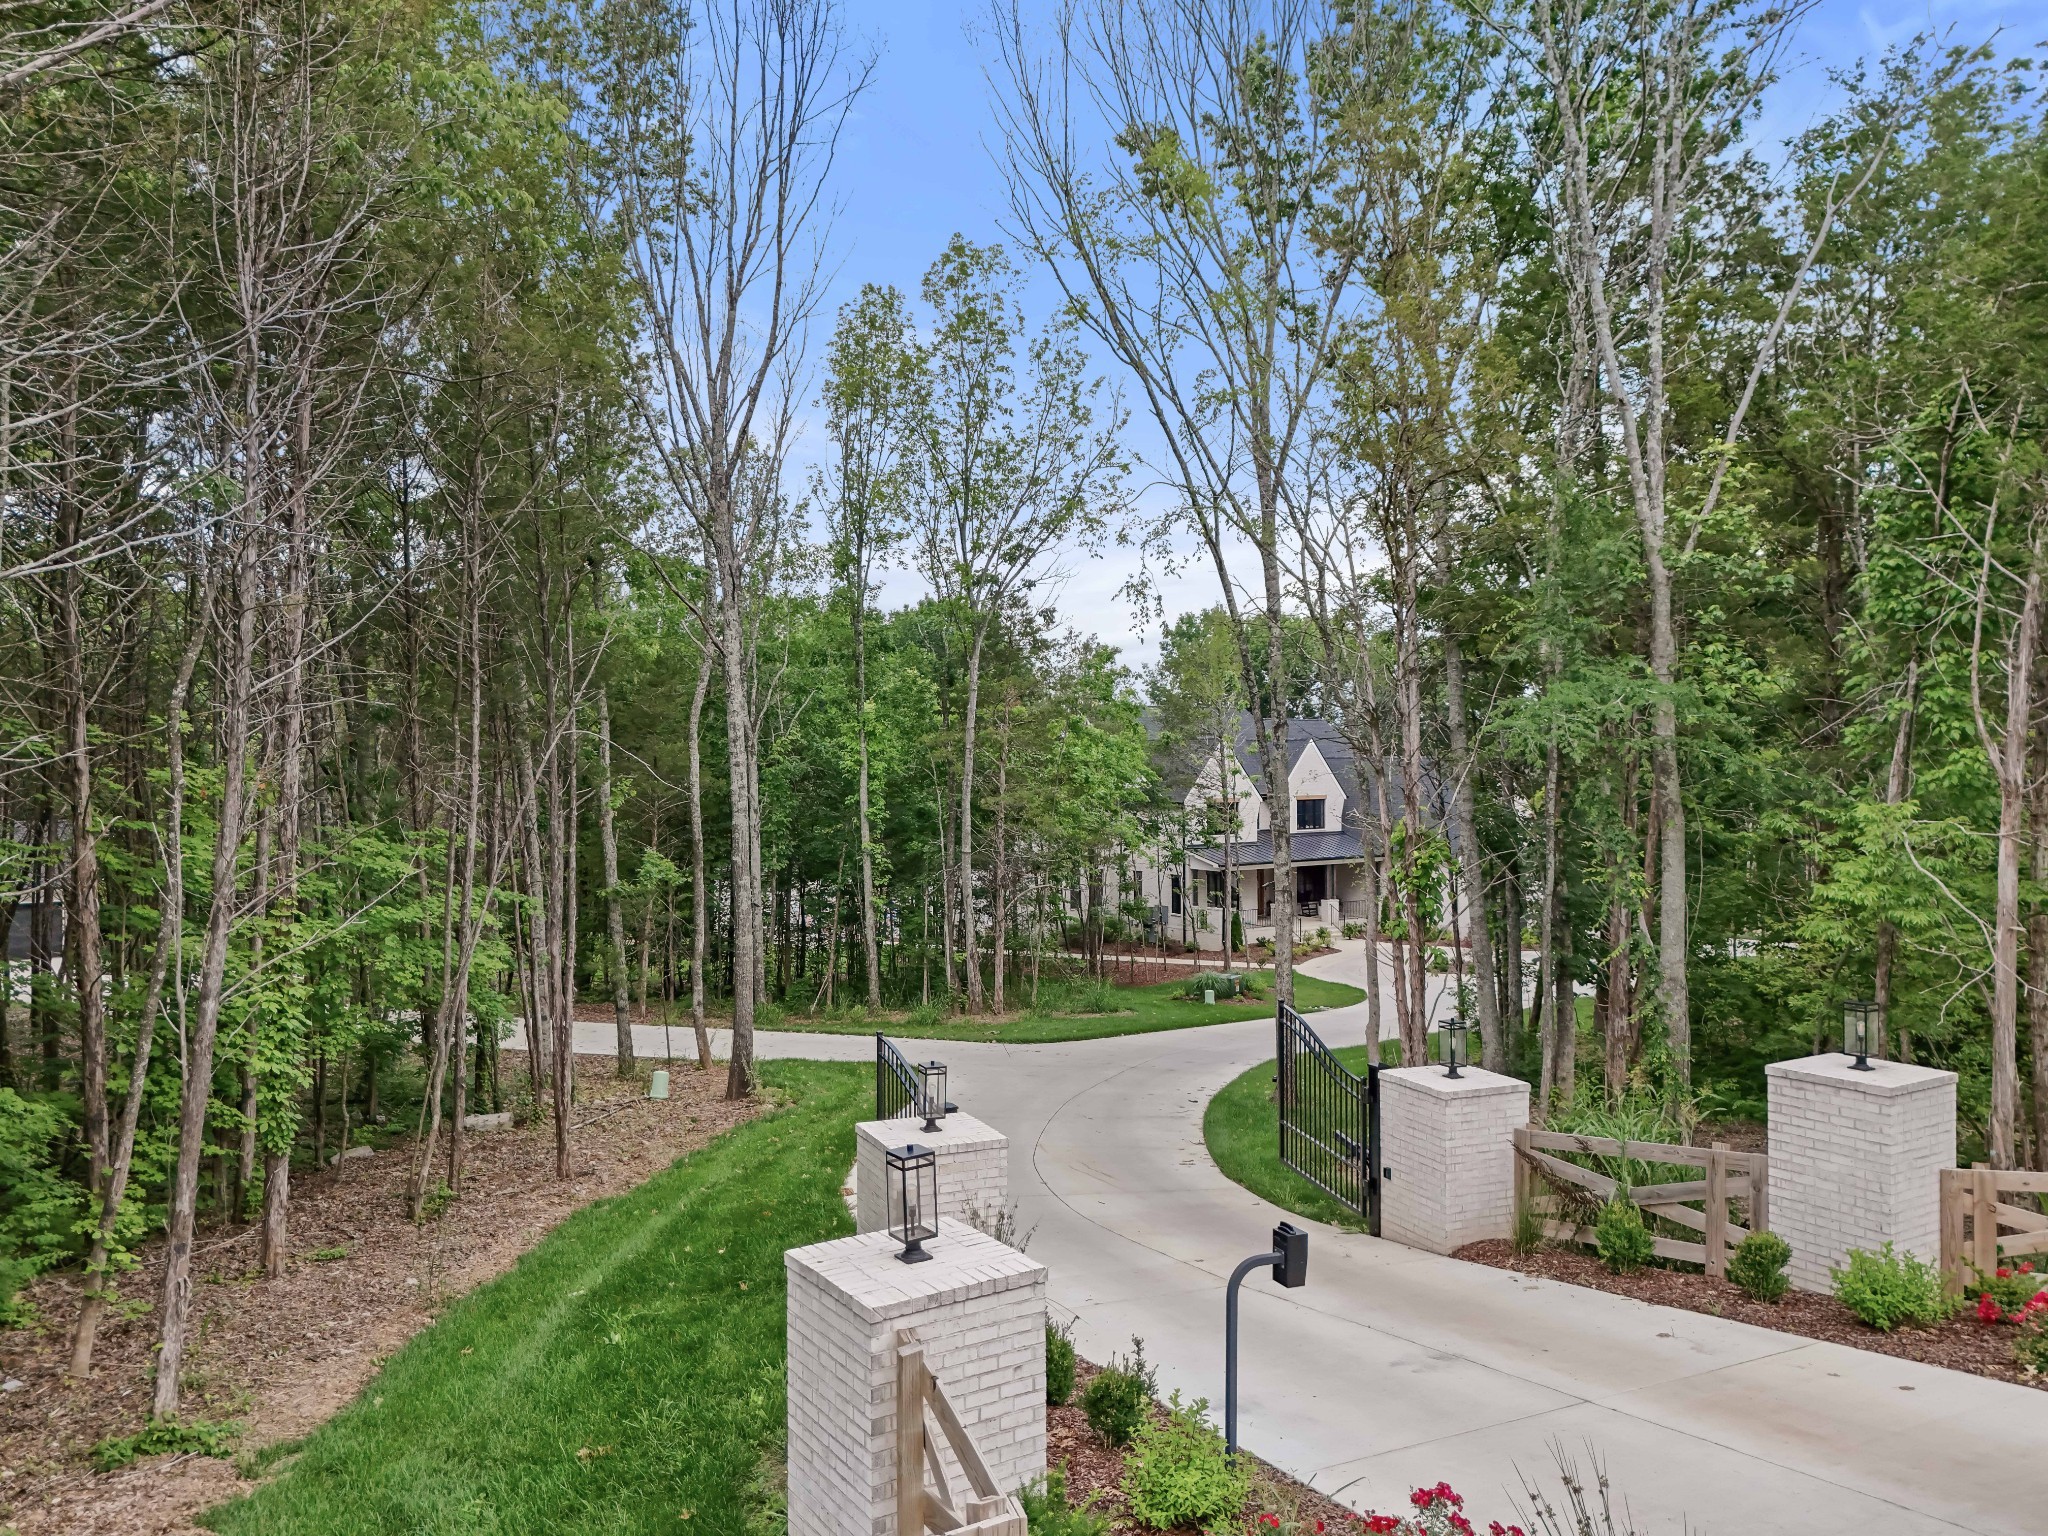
x=931 y=1094
x=1455 y=1049
x=1859 y=1019
x=913 y=1176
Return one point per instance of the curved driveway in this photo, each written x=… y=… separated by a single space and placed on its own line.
x=1394 y=1368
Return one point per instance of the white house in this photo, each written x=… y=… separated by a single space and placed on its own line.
x=1327 y=809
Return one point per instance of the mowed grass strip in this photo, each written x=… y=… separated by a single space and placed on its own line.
x=625 y=1377
x=1242 y=1129
x=1139 y=1011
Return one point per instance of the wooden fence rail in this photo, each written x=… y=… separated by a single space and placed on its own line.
x=1743 y=1176
x=922 y=1508
x=1981 y=1228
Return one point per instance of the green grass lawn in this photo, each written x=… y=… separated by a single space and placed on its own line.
x=625 y=1377
x=1241 y=1126
x=1140 y=1010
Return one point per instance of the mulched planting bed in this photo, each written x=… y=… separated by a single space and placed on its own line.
x=1094 y=1466
x=1962 y=1343
x=280 y=1357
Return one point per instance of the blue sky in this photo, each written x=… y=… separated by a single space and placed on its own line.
x=915 y=166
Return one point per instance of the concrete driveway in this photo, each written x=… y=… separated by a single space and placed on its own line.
x=1394 y=1368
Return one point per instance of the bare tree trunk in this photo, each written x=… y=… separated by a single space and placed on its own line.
x=746 y=895
x=970 y=949
x=1000 y=875
x=1493 y=1040
x=170 y=927
x=614 y=913
x=1547 y=968
x=700 y=896
x=236 y=683
x=1896 y=782
x=2009 y=762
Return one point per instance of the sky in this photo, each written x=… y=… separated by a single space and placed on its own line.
x=915 y=166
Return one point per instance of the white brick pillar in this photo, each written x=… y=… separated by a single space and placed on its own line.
x=976 y=1306
x=1856 y=1159
x=1447 y=1155
x=973 y=1166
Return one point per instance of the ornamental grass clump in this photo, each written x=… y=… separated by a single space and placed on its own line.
x=1888 y=1288
x=1758 y=1265
x=1116 y=1400
x=1624 y=1243
x=1059 y=1363
x=1179 y=1474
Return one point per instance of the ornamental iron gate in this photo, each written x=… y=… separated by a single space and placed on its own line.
x=895 y=1082
x=1329 y=1118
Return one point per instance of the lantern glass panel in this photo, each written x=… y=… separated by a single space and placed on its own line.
x=913 y=1179
x=1454 y=1046
x=931 y=1093
x=1859 y=1022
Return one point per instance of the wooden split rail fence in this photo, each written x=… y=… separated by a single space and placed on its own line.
x=1982 y=1226
x=921 y=1508
x=1700 y=1204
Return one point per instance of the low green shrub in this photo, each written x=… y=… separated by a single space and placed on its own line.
x=1354 y=930
x=1047 y=1511
x=1179 y=1474
x=1624 y=1243
x=1116 y=1400
x=1887 y=1288
x=1092 y=996
x=1222 y=983
x=1758 y=1265
x=167 y=1437
x=1059 y=1363
x=2030 y=1349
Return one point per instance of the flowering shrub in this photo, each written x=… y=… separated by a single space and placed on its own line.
x=1438 y=1511
x=2010 y=1295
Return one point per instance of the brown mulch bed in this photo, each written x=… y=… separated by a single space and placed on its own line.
x=1095 y=1468
x=281 y=1357
x=1961 y=1344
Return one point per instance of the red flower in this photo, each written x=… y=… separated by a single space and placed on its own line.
x=1988 y=1309
x=1461 y=1525
x=2027 y=1267
x=2005 y=1274
x=1380 y=1525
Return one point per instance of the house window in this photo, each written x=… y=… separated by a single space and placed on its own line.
x=1215 y=883
x=1308 y=814
x=1174 y=898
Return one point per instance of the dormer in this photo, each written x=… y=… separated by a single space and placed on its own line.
x=1319 y=800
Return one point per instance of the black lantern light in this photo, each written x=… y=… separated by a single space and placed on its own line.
x=931 y=1094
x=1454 y=1046
x=913 y=1199
x=1859 y=1023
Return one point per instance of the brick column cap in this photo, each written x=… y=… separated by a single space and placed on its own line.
x=878 y=1286
x=956 y=1133
x=1885 y=1079
x=1470 y=1083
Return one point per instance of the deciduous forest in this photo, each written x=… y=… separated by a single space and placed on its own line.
x=445 y=506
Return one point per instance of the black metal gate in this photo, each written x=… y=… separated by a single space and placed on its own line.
x=1329 y=1117
x=895 y=1082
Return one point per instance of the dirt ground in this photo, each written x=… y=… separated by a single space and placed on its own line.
x=1962 y=1343
x=281 y=1357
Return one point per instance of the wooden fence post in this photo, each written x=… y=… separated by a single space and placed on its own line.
x=1525 y=1176
x=1955 y=1184
x=909 y=1439
x=1984 y=1219
x=1717 y=1212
